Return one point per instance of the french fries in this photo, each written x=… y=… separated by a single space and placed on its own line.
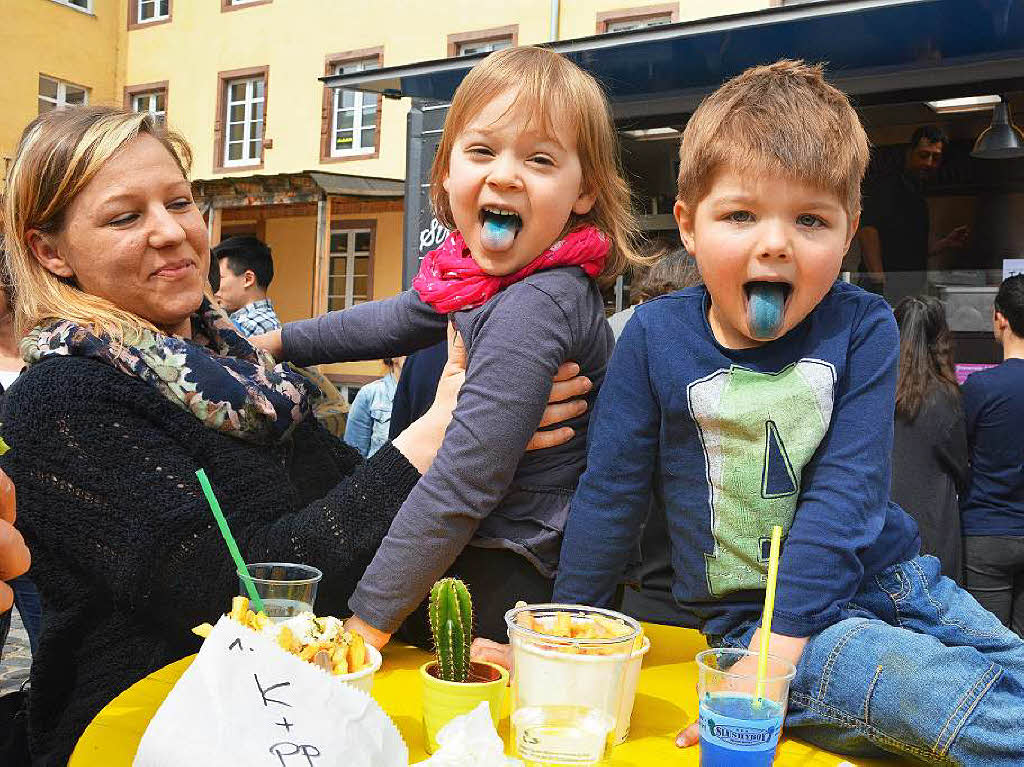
x=568 y=625
x=346 y=649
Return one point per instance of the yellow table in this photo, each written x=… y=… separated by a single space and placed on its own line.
x=665 y=701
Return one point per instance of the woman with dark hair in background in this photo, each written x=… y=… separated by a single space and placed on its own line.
x=929 y=455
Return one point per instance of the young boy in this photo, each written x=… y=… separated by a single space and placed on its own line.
x=766 y=398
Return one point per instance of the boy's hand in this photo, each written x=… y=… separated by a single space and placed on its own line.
x=492 y=652
x=787 y=648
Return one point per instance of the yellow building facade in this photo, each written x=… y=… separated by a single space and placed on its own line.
x=317 y=175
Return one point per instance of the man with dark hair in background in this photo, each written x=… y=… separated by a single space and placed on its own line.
x=246 y=271
x=895 y=229
x=992 y=511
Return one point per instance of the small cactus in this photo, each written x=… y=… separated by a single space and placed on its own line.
x=451 y=623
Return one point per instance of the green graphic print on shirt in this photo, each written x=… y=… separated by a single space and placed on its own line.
x=758 y=431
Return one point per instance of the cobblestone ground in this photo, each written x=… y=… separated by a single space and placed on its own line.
x=16 y=657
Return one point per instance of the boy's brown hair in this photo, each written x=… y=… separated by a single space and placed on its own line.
x=548 y=84
x=780 y=119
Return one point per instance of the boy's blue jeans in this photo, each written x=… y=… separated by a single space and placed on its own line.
x=916 y=667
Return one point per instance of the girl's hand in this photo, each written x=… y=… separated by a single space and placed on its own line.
x=271 y=343
x=372 y=636
x=788 y=648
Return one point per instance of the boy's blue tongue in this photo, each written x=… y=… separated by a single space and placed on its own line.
x=766 y=302
x=498 y=232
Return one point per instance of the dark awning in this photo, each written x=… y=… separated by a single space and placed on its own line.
x=292 y=188
x=870 y=46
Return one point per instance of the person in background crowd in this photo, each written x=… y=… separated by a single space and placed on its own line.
x=993 y=508
x=109 y=255
x=246 y=271
x=673 y=270
x=895 y=232
x=929 y=452
x=26 y=596
x=369 y=417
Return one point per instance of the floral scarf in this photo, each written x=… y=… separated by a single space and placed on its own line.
x=450 y=280
x=218 y=376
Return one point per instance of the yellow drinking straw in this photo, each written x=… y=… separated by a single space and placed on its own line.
x=766 y=617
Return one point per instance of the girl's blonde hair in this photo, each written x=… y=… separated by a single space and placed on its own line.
x=550 y=85
x=60 y=152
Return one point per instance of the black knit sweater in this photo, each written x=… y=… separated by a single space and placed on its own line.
x=125 y=551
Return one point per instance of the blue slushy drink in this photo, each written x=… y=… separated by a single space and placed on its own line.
x=736 y=733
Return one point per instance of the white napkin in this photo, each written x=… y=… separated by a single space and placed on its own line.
x=470 y=740
x=244 y=701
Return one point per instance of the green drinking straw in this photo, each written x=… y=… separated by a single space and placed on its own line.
x=229 y=539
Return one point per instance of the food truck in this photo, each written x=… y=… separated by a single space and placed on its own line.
x=954 y=64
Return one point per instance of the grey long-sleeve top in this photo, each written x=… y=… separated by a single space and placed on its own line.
x=482 y=486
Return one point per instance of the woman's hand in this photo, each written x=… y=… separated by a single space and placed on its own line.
x=423 y=437
x=788 y=648
x=14 y=556
x=563 y=404
x=372 y=636
x=270 y=343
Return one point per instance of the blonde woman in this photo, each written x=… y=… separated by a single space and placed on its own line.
x=134 y=382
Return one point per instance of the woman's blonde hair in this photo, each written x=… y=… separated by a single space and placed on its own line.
x=60 y=152
x=548 y=84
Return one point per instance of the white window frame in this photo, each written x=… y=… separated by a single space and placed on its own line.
x=632 y=25
x=473 y=47
x=87 y=8
x=360 y=102
x=61 y=100
x=250 y=101
x=350 y=255
x=139 y=4
x=149 y=97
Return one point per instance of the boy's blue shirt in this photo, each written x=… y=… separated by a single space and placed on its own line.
x=797 y=432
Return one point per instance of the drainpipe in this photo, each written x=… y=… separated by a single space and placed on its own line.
x=553 y=35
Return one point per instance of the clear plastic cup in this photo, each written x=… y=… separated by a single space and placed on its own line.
x=286 y=589
x=630 y=682
x=737 y=730
x=566 y=691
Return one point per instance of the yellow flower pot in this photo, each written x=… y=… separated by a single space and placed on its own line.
x=443 y=701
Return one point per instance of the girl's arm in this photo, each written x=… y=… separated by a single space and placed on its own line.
x=390 y=327
x=516 y=351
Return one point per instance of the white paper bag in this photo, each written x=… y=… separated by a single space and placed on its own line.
x=244 y=701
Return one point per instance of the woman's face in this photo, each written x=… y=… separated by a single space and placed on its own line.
x=134 y=236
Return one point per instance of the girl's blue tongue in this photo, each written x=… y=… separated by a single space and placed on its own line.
x=498 y=232
x=766 y=302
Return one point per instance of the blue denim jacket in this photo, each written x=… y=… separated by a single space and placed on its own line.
x=369 y=418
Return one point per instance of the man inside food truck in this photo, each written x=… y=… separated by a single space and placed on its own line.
x=894 y=233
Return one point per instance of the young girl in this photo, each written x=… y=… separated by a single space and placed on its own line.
x=929 y=449
x=527 y=178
